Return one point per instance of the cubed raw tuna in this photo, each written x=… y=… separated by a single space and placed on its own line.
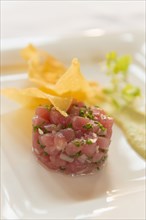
x=76 y=144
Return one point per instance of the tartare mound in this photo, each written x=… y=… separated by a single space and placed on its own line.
x=76 y=144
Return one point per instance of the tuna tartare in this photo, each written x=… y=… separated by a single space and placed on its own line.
x=76 y=144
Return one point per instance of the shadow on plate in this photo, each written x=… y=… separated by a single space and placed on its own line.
x=83 y=188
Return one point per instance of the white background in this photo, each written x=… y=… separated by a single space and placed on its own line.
x=35 y=19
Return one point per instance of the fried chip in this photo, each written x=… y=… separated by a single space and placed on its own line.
x=41 y=65
x=71 y=84
x=72 y=80
x=55 y=85
x=33 y=97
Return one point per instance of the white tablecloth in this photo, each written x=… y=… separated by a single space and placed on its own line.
x=31 y=19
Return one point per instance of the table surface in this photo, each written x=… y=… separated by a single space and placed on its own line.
x=31 y=19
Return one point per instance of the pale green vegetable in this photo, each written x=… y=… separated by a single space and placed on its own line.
x=120 y=92
x=120 y=99
x=132 y=123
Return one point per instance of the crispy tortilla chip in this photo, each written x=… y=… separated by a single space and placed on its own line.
x=56 y=85
x=71 y=84
x=42 y=66
x=72 y=80
x=52 y=77
x=33 y=97
x=28 y=52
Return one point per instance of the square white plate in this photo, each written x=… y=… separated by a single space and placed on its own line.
x=31 y=192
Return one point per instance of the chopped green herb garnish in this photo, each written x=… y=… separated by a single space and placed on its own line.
x=48 y=106
x=88 y=126
x=77 y=143
x=78 y=154
x=45 y=153
x=82 y=113
x=63 y=126
x=69 y=125
x=89 y=141
x=100 y=125
x=103 y=150
x=89 y=114
x=62 y=168
x=75 y=105
x=41 y=146
x=104 y=158
x=35 y=128
x=101 y=160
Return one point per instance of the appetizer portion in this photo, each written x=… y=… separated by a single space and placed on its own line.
x=76 y=144
x=71 y=136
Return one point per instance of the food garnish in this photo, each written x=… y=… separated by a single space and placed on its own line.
x=120 y=92
x=121 y=97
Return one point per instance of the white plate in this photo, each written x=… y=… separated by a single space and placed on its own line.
x=31 y=192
